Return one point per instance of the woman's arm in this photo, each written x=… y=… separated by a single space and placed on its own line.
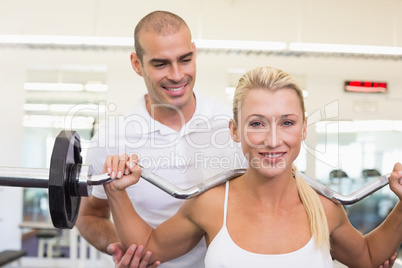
x=171 y=239
x=355 y=250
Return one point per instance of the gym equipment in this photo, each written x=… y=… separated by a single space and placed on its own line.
x=221 y=178
x=68 y=180
x=10 y=256
x=351 y=198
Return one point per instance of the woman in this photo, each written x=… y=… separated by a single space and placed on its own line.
x=268 y=217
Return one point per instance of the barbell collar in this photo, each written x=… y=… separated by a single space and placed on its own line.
x=84 y=187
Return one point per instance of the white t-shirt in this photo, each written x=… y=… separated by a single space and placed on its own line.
x=201 y=149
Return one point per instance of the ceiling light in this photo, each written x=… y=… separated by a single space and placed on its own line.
x=66 y=40
x=50 y=121
x=358 y=126
x=54 y=86
x=340 y=48
x=75 y=108
x=60 y=107
x=96 y=87
x=240 y=45
x=35 y=107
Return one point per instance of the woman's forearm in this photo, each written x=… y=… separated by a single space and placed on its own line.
x=386 y=238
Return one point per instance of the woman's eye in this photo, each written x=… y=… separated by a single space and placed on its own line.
x=255 y=124
x=288 y=123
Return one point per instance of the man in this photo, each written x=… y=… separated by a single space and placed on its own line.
x=177 y=133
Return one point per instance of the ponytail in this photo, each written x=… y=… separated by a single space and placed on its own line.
x=315 y=212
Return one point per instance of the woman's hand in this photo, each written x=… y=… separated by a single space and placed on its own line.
x=395 y=180
x=123 y=169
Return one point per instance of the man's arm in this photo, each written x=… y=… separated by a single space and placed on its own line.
x=94 y=223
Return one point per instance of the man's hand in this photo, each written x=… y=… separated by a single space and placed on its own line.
x=132 y=257
x=389 y=263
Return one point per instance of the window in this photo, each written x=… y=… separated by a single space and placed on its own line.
x=57 y=98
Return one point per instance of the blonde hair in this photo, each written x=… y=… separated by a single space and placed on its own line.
x=273 y=79
x=315 y=211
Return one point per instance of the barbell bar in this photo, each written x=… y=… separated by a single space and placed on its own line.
x=68 y=180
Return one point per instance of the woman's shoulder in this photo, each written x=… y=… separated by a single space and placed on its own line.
x=335 y=212
x=211 y=197
x=206 y=203
x=206 y=210
x=329 y=205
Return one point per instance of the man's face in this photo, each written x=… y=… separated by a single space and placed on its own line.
x=168 y=67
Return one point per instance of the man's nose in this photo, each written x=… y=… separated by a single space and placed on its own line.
x=175 y=73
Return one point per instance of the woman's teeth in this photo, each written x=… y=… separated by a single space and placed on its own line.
x=273 y=155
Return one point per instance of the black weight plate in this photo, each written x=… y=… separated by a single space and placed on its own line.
x=63 y=202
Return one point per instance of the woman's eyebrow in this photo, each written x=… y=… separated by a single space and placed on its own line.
x=280 y=117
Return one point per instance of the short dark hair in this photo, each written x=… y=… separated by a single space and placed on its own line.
x=159 y=22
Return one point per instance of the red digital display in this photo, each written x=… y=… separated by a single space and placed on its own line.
x=365 y=86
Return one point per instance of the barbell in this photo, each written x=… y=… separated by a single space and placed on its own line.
x=67 y=180
x=64 y=179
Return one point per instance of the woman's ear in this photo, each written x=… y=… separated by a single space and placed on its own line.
x=304 y=130
x=234 y=130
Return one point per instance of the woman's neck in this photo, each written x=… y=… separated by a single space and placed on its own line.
x=274 y=191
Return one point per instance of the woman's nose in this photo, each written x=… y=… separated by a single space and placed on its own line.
x=272 y=137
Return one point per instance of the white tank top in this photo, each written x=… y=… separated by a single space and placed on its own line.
x=224 y=253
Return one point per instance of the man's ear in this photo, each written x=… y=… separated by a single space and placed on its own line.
x=234 y=130
x=136 y=63
x=194 y=50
